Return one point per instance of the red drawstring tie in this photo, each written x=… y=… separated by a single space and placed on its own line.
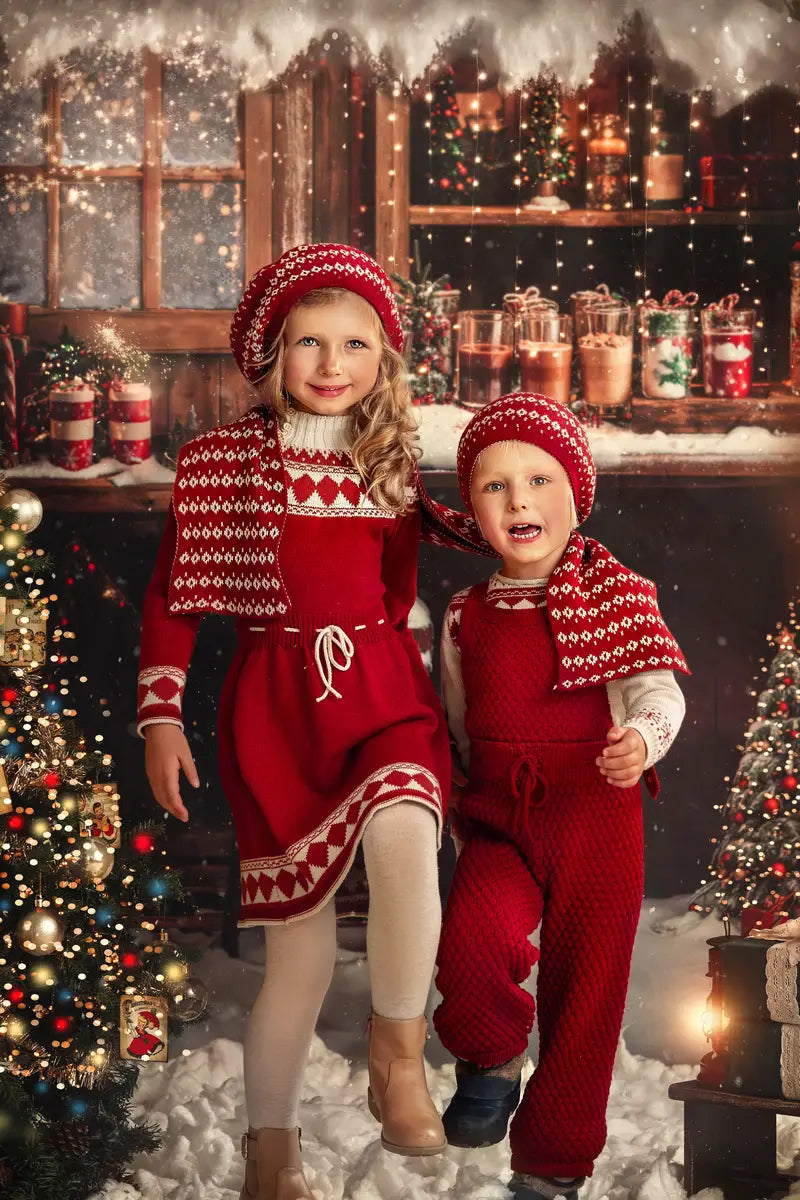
x=528 y=787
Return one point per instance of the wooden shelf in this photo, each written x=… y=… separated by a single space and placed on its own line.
x=194 y=330
x=423 y=214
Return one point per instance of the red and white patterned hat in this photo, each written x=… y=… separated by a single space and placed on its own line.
x=274 y=289
x=529 y=417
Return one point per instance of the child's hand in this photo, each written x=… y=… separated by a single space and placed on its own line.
x=623 y=759
x=166 y=751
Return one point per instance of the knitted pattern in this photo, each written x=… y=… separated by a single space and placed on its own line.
x=605 y=619
x=275 y=288
x=529 y=417
x=230 y=505
x=535 y=822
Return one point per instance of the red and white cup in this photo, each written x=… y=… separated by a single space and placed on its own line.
x=71 y=427
x=129 y=422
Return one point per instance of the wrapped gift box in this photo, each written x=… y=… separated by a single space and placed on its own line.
x=760 y=979
x=763 y=1059
x=766 y=180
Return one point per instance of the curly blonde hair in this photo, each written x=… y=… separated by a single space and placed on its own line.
x=385 y=446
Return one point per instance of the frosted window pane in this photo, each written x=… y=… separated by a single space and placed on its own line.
x=102 y=109
x=21 y=109
x=23 y=245
x=200 y=113
x=202 y=245
x=101 y=257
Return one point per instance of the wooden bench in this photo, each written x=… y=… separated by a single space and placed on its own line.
x=730 y=1142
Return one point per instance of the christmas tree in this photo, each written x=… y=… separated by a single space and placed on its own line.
x=546 y=155
x=87 y=988
x=755 y=871
x=452 y=146
x=428 y=334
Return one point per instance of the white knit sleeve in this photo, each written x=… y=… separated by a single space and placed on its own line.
x=653 y=704
x=453 y=696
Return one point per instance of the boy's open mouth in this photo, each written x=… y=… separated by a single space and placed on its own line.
x=524 y=533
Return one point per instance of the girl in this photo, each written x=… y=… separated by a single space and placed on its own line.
x=303 y=519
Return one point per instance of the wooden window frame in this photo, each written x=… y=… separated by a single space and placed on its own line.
x=265 y=116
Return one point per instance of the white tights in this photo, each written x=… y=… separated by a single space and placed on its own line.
x=405 y=917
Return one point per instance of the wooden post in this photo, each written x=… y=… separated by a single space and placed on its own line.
x=293 y=164
x=392 y=134
x=258 y=144
x=151 y=181
x=331 y=152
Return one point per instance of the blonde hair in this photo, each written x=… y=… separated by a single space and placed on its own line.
x=385 y=446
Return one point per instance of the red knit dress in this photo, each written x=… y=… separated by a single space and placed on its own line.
x=327 y=713
x=547 y=841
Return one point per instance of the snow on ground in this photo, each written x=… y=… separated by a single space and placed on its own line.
x=42 y=468
x=197 y=1098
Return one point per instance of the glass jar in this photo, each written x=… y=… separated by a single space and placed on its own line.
x=794 y=329
x=607 y=174
x=667 y=340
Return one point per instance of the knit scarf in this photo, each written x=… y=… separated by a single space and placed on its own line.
x=605 y=619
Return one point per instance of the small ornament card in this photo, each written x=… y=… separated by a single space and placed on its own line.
x=23 y=633
x=143 y=1032
x=99 y=813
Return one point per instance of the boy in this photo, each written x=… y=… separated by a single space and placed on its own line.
x=559 y=691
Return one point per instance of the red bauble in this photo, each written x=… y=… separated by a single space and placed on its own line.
x=16 y=822
x=61 y=1024
x=16 y=995
x=743 y=781
x=9 y=695
x=129 y=959
x=444 y=184
x=52 y=779
x=143 y=843
x=782 y=707
x=789 y=783
x=739 y=816
x=772 y=804
x=778 y=868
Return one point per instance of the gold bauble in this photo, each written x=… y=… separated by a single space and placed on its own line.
x=40 y=932
x=26 y=508
x=97 y=859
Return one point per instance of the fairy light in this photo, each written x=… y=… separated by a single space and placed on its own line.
x=429 y=127
x=583 y=118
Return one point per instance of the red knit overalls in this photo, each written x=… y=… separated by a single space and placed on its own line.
x=546 y=840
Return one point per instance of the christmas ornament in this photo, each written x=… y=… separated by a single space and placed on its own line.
x=23 y=508
x=23 y=632
x=778 y=868
x=40 y=932
x=789 y=783
x=97 y=859
x=188 y=1000
x=143 y=1028
x=771 y=804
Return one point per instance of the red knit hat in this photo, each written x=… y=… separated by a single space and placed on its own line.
x=529 y=417
x=274 y=289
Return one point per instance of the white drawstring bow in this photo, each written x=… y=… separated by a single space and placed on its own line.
x=329 y=639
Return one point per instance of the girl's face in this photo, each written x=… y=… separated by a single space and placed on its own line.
x=522 y=501
x=333 y=352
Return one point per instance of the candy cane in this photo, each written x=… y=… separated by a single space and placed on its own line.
x=10 y=441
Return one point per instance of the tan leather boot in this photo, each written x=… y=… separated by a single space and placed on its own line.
x=273 y=1166
x=398 y=1092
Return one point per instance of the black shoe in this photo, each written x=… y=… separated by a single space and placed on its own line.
x=538 y=1187
x=479 y=1111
